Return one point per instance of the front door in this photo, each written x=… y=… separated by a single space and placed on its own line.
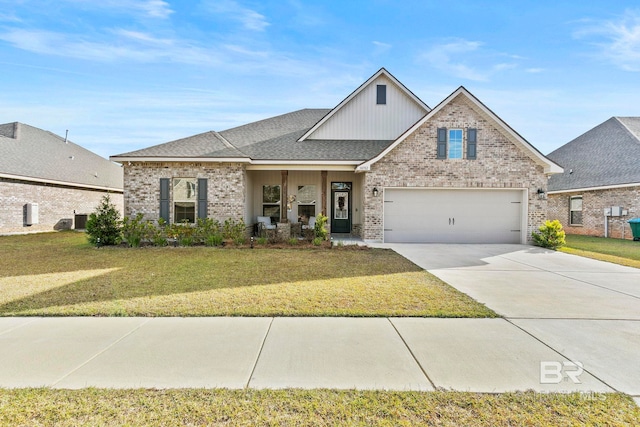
x=340 y=207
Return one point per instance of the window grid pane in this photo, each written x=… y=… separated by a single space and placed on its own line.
x=455 y=144
x=575 y=210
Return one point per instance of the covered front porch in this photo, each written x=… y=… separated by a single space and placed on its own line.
x=296 y=196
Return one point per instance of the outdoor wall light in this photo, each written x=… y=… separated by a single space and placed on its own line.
x=541 y=194
x=375 y=192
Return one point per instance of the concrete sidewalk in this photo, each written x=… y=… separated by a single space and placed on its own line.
x=483 y=355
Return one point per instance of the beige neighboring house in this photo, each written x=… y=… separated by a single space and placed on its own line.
x=599 y=190
x=49 y=183
x=381 y=165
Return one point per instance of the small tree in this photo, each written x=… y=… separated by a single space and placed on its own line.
x=551 y=235
x=103 y=225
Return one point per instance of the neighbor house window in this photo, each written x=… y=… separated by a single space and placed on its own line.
x=271 y=202
x=381 y=95
x=455 y=143
x=185 y=197
x=575 y=210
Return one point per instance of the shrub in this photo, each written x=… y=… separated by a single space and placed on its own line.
x=208 y=232
x=158 y=235
x=551 y=235
x=262 y=240
x=318 y=241
x=234 y=230
x=319 y=231
x=103 y=225
x=135 y=230
x=293 y=241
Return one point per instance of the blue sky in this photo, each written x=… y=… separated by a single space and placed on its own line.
x=124 y=74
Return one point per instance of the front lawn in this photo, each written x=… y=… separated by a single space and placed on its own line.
x=60 y=274
x=624 y=252
x=311 y=408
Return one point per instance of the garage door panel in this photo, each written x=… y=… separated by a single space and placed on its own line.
x=452 y=216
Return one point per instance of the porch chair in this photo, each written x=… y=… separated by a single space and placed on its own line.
x=311 y=225
x=264 y=224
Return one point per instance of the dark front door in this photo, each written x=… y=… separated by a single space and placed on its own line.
x=340 y=207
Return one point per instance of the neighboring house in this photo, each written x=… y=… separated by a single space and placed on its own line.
x=46 y=180
x=601 y=172
x=381 y=165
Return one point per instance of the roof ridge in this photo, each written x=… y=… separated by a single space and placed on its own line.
x=626 y=127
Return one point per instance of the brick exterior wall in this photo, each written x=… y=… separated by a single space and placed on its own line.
x=593 y=205
x=226 y=188
x=56 y=205
x=413 y=163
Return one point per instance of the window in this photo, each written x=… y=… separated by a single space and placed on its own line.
x=455 y=143
x=306 y=202
x=450 y=143
x=271 y=202
x=575 y=210
x=381 y=97
x=184 y=199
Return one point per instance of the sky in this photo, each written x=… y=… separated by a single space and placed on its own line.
x=120 y=75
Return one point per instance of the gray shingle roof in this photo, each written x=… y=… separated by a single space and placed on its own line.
x=608 y=154
x=41 y=155
x=275 y=138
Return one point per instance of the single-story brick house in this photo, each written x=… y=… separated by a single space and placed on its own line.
x=599 y=190
x=47 y=181
x=381 y=165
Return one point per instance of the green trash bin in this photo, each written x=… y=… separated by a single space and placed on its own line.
x=635 y=228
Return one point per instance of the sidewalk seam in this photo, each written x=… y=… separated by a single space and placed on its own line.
x=259 y=354
x=33 y=319
x=412 y=355
x=559 y=353
x=53 y=384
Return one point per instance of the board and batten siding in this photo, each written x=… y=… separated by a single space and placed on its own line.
x=363 y=118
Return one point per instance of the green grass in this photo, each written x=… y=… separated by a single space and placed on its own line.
x=60 y=274
x=624 y=252
x=310 y=408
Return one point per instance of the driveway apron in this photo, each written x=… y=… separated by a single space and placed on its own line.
x=587 y=311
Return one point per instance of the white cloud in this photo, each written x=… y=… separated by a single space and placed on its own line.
x=466 y=59
x=127 y=45
x=249 y=18
x=380 y=47
x=619 y=41
x=446 y=57
x=9 y=17
x=155 y=8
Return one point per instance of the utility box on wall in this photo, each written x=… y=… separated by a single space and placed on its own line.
x=31 y=215
x=616 y=210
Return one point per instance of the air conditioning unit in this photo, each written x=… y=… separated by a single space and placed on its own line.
x=32 y=215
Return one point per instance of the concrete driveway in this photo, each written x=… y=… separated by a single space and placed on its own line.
x=586 y=310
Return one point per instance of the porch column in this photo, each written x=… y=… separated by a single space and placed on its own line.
x=284 y=197
x=323 y=177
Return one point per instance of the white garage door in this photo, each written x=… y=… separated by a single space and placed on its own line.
x=453 y=216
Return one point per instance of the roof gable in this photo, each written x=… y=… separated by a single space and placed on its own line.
x=359 y=117
x=549 y=166
x=607 y=155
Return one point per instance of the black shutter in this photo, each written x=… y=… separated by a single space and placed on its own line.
x=202 y=198
x=164 y=199
x=472 y=143
x=381 y=94
x=442 y=143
